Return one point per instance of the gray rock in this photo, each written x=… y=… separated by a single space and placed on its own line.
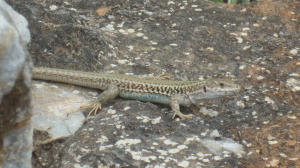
x=255 y=43
x=15 y=79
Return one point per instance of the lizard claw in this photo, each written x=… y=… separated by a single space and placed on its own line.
x=182 y=116
x=95 y=107
x=163 y=76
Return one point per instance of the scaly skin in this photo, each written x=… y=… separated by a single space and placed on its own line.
x=170 y=92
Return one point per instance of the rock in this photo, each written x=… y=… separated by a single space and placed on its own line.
x=15 y=78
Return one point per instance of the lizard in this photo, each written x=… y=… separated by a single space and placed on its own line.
x=173 y=93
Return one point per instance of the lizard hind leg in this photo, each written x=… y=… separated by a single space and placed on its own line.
x=111 y=92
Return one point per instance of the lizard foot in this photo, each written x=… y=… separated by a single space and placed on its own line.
x=95 y=107
x=163 y=76
x=182 y=116
x=160 y=77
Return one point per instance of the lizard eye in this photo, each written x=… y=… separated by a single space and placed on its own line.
x=222 y=85
x=204 y=88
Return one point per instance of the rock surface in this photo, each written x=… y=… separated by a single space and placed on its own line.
x=15 y=113
x=256 y=44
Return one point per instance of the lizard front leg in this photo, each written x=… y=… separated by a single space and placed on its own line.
x=111 y=92
x=176 y=108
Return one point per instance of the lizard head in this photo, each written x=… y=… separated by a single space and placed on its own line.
x=212 y=89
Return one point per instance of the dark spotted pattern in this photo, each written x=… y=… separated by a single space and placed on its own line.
x=130 y=84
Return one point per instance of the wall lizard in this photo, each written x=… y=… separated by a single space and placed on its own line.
x=173 y=93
